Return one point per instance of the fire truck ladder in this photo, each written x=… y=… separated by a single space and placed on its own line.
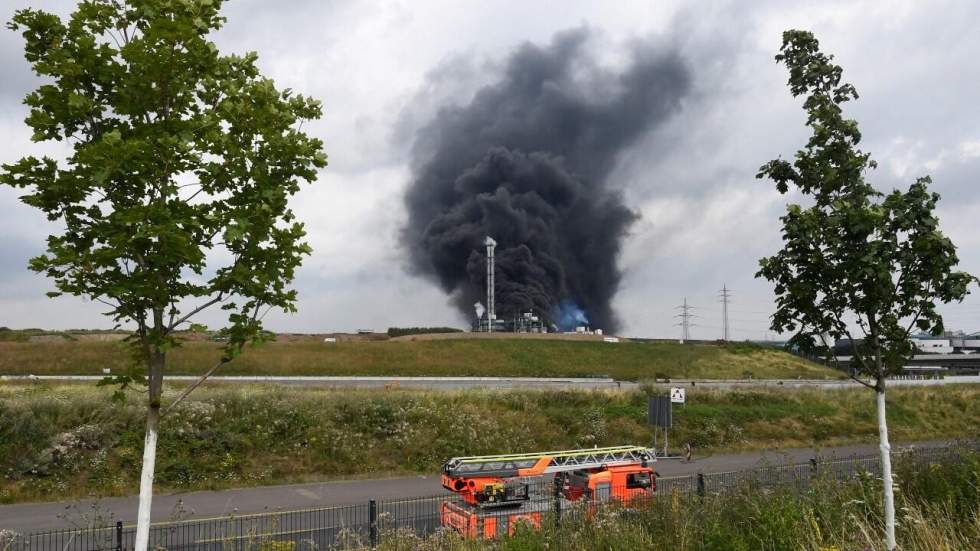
x=534 y=464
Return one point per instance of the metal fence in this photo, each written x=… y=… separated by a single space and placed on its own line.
x=365 y=525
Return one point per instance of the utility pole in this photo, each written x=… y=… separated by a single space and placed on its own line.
x=725 y=295
x=685 y=323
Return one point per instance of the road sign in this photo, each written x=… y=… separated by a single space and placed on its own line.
x=677 y=395
x=658 y=411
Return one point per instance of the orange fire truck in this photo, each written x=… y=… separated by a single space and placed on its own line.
x=496 y=490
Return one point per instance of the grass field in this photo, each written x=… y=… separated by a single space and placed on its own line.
x=456 y=357
x=59 y=441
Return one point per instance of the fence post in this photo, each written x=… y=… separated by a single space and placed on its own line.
x=119 y=544
x=700 y=484
x=373 y=519
x=557 y=510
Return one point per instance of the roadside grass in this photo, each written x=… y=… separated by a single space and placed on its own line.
x=26 y=335
x=516 y=357
x=68 y=441
x=938 y=510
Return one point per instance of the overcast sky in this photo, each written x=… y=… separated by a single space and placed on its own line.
x=382 y=69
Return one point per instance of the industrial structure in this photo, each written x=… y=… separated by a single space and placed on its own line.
x=486 y=316
x=951 y=342
x=527 y=322
x=685 y=324
x=486 y=320
x=491 y=314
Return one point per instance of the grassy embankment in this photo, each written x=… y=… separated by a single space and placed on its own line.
x=457 y=357
x=938 y=510
x=71 y=440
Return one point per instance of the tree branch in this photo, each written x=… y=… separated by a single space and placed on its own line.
x=855 y=354
x=191 y=388
x=193 y=195
x=869 y=385
x=107 y=303
x=212 y=302
x=114 y=39
x=208 y=374
x=143 y=334
x=173 y=314
x=829 y=352
x=267 y=310
x=915 y=318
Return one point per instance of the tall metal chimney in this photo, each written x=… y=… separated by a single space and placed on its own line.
x=490 y=243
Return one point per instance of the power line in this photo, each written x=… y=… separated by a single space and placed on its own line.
x=725 y=296
x=685 y=323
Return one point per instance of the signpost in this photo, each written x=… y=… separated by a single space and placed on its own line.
x=661 y=416
x=677 y=395
x=660 y=413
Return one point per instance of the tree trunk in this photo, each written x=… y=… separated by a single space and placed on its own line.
x=886 y=469
x=146 y=478
x=156 y=364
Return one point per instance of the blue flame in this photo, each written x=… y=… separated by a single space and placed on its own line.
x=567 y=315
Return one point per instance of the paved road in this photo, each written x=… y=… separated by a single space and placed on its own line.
x=35 y=517
x=459 y=383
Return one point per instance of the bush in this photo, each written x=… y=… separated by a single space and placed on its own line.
x=402 y=331
x=64 y=441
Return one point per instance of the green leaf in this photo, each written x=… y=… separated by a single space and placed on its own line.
x=112 y=137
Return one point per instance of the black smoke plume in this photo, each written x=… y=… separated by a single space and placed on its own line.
x=527 y=162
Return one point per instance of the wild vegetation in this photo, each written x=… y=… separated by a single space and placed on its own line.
x=402 y=331
x=939 y=511
x=454 y=357
x=42 y=335
x=63 y=441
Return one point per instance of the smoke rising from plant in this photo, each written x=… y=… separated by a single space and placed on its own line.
x=527 y=162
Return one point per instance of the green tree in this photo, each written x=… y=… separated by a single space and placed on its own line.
x=174 y=196
x=856 y=263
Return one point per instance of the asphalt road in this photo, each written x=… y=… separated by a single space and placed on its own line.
x=34 y=517
x=459 y=383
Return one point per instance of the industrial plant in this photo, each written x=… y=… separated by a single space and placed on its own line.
x=487 y=321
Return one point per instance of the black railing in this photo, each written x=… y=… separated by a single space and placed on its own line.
x=365 y=525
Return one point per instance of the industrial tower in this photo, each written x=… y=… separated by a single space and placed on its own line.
x=491 y=315
x=685 y=323
x=726 y=295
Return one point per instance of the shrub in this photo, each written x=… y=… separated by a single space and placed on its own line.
x=402 y=331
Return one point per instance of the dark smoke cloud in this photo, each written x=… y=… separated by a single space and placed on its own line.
x=526 y=162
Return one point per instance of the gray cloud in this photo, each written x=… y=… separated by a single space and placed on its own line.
x=704 y=218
